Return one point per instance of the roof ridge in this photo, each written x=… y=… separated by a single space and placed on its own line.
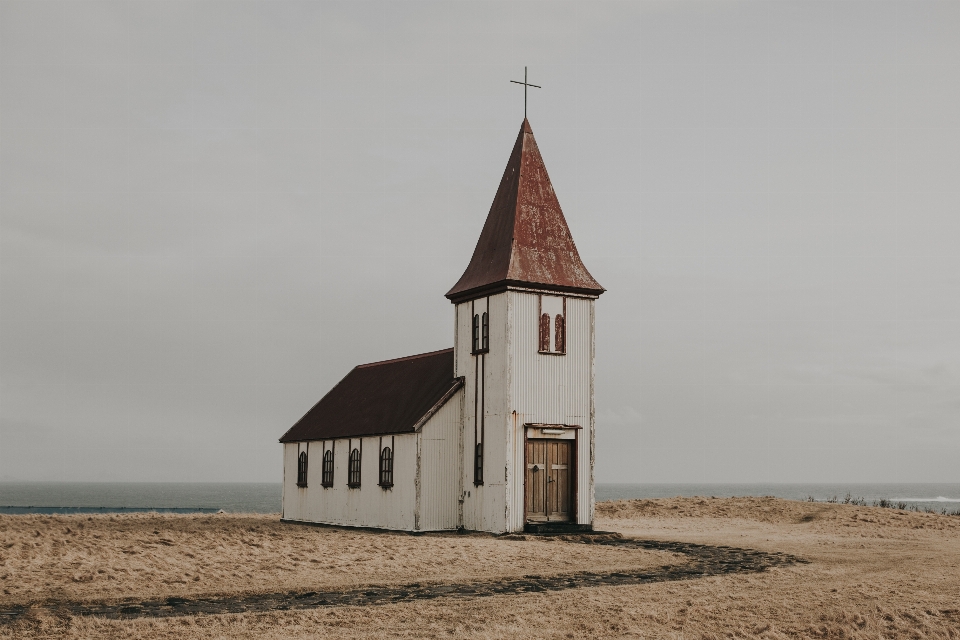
x=404 y=358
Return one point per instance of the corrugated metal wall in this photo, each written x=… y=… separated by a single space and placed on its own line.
x=440 y=467
x=367 y=506
x=486 y=385
x=553 y=390
x=516 y=384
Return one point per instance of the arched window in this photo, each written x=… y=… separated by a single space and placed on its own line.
x=560 y=334
x=476 y=333
x=545 y=332
x=302 y=469
x=485 y=332
x=386 y=467
x=478 y=464
x=353 y=479
x=327 y=475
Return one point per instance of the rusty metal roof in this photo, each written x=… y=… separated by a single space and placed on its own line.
x=381 y=398
x=525 y=240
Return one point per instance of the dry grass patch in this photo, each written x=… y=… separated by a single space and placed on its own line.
x=874 y=573
x=779 y=511
x=103 y=557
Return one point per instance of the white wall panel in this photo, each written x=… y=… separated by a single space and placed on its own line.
x=440 y=467
x=552 y=389
x=366 y=506
x=486 y=390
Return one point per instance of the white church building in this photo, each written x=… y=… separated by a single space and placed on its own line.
x=495 y=434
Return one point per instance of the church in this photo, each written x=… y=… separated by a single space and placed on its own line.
x=495 y=434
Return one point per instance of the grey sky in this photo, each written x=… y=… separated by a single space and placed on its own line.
x=210 y=211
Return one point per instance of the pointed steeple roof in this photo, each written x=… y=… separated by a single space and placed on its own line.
x=525 y=240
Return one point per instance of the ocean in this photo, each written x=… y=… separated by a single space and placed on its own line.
x=210 y=497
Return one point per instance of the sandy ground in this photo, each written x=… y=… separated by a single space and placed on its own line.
x=50 y=558
x=874 y=573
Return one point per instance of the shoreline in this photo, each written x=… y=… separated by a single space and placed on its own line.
x=908 y=505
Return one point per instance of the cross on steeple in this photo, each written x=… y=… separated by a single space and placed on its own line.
x=525 y=85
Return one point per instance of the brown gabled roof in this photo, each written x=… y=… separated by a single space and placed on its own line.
x=525 y=240
x=381 y=398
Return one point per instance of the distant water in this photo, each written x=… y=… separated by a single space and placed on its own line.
x=205 y=497
x=921 y=495
x=119 y=497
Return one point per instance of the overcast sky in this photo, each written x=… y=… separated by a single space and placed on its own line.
x=211 y=211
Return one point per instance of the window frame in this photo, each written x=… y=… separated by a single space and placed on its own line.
x=545 y=333
x=485 y=332
x=560 y=334
x=478 y=464
x=552 y=330
x=302 y=461
x=354 y=468
x=326 y=475
x=475 y=335
x=386 y=467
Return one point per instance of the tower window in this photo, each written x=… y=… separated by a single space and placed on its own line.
x=478 y=464
x=386 y=467
x=302 y=469
x=481 y=333
x=353 y=477
x=560 y=334
x=553 y=325
x=545 y=332
x=327 y=475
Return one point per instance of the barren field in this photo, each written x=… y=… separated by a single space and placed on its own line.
x=51 y=558
x=872 y=573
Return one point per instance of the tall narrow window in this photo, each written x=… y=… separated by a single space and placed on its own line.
x=302 y=469
x=327 y=476
x=545 y=332
x=478 y=464
x=476 y=333
x=353 y=479
x=386 y=467
x=560 y=334
x=485 y=332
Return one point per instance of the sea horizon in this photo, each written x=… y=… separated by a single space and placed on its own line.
x=21 y=497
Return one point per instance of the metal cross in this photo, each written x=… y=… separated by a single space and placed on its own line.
x=525 y=85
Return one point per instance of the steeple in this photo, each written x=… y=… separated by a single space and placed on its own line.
x=525 y=241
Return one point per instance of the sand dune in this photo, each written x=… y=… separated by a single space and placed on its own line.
x=872 y=573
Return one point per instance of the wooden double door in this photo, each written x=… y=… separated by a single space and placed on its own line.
x=548 y=485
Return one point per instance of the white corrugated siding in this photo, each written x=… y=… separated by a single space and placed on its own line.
x=367 y=506
x=440 y=467
x=553 y=390
x=485 y=506
x=521 y=385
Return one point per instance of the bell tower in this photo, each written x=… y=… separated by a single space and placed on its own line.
x=524 y=345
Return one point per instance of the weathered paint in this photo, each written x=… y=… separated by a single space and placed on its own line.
x=428 y=453
x=485 y=396
x=439 y=467
x=366 y=506
x=525 y=240
x=515 y=386
x=553 y=390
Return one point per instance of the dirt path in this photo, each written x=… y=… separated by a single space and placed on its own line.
x=704 y=560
